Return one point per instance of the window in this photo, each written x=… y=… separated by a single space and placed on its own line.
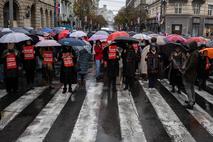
x=210 y=10
x=196 y=8
x=178 y=8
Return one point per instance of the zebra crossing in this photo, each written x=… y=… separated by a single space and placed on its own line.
x=85 y=127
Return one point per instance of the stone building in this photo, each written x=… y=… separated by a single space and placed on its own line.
x=194 y=17
x=28 y=13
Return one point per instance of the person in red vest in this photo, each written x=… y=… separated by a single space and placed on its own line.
x=48 y=65
x=11 y=57
x=68 y=75
x=111 y=61
x=98 y=58
x=29 y=62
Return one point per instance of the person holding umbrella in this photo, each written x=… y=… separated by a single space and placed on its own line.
x=68 y=74
x=98 y=58
x=11 y=58
x=29 y=62
x=48 y=64
x=178 y=59
x=111 y=62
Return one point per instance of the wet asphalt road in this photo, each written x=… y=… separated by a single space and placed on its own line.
x=108 y=125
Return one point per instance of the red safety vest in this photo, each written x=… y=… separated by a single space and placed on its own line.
x=28 y=53
x=11 y=61
x=68 y=61
x=112 y=52
x=48 y=57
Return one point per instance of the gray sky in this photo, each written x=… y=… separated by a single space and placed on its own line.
x=114 y=5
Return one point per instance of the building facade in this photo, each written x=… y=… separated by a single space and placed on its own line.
x=28 y=13
x=193 y=17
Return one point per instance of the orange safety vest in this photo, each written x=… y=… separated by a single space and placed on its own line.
x=28 y=53
x=48 y=57
x=68 y=60
x=11 y=61
x=112 y=52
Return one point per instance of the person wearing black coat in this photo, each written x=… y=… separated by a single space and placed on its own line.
x=68 y=75
x=129 y=66
x=111 y=60
x=29 y=62
x=10 y=58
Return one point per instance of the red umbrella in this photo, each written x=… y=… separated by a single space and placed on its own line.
x=197 y=39
x=175 y=38
x=114 y=35
x=63 y=34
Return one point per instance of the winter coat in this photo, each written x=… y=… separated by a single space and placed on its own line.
x=191 y=69
x=152 y=63
x=98 y=52
x=83 y=61
x=13 y=72
x=68 y=75
x=129 y=62
x=28 y=64
x=143 y=64
x=112 y=64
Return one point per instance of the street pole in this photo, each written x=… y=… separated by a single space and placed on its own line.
x=55 y=18
x=11 y=13
x=161 y=14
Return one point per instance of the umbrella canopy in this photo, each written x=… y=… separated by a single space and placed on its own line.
x=197 y=39
x=126 y=39
x=47 y=43
x=35 y=32
x=161 y=40
x=63 y=34
x=20 y=30
x=6 y=30
x=14 y=38
x=35 y=39
x=170 y=47
x=4 y=33
x=87 y=46
x=114 y=35
x=210 y=44
x=47 y=30
x=102 y=33
x=142 y=37
x=57 y=30
x=209 y=52
x=98 y=37
x=28 y=28
x=175 y=38
x=132 y=33
x=72 y=42
x=41 y=38
x=78 y=34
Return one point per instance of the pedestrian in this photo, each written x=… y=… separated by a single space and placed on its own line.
x=152 y=59
x=84 y=57
x=68 y=74
x=203 y=70
x=29 y=62
x=98 y=58
x=111 y=61
x=190 y=74
x=48 y=65
x=11 y=59
x=129 y=56
x=178 y=60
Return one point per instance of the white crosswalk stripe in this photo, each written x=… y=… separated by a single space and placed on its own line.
x=167 y=116
x=198 y=113
x=3 y=93
x=19 y=105
x=86 y=124
x=85 y=129
x=131 y=130
x=38 y=129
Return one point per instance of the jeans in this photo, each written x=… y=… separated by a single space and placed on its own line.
x=152 y=80
x=98 y=68
x=190 y=90
x=1 y=72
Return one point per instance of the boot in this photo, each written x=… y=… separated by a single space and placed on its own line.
x=64 y=90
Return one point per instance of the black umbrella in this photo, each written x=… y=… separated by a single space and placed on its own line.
x=20 y=30
x=126 y=40
x=171 y=47
x=35 y=39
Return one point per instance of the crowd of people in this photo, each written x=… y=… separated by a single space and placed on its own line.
x=183 y=68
